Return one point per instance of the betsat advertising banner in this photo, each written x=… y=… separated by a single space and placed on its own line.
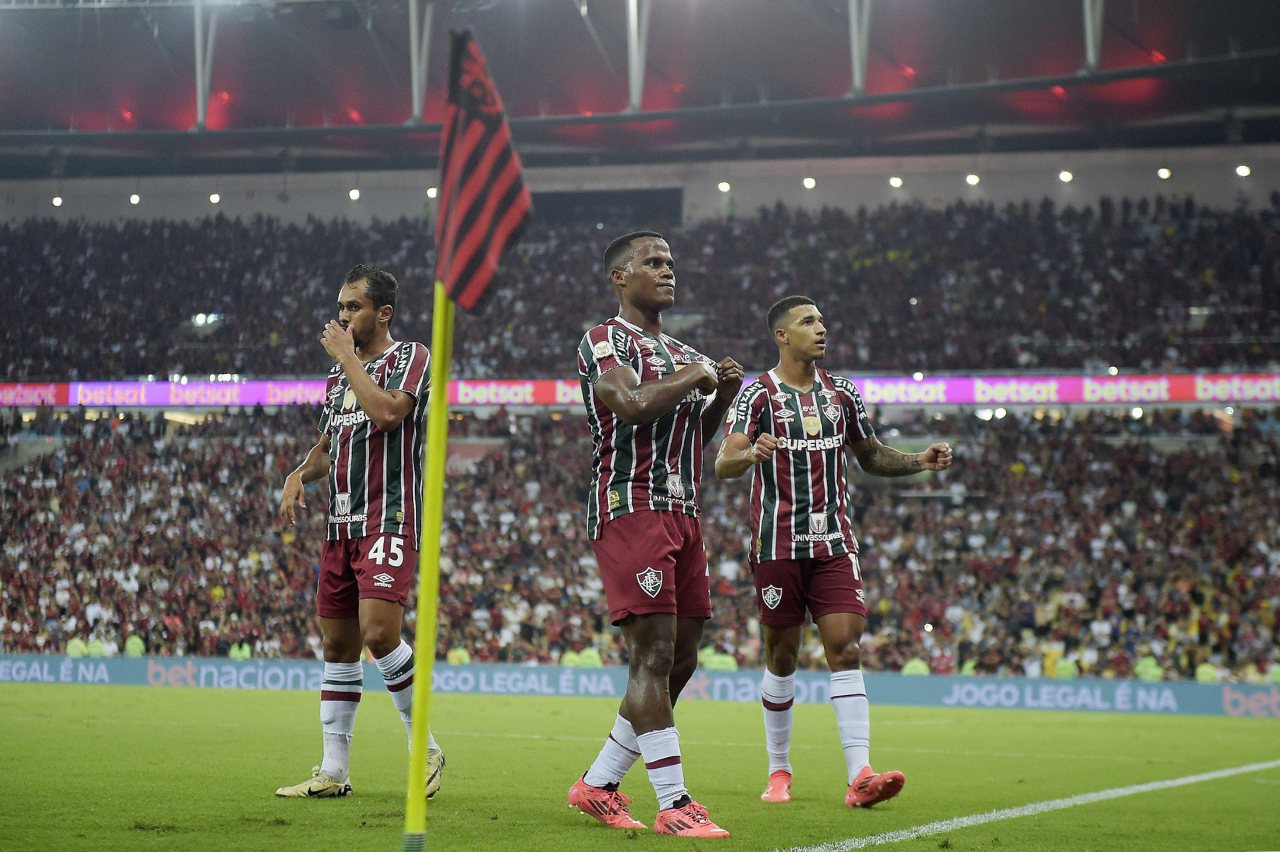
x=1112 y=696
x=986 y=390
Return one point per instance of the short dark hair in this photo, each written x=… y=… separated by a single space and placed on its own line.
x=782 y=307
x=618 y=248
x=380 y=284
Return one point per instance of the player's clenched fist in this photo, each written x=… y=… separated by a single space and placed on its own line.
x=764 y=447
x=707 y=379
x=936 y=457
x=729 y=374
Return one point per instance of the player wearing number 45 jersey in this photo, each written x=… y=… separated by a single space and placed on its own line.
x=370 y=449
x=791 y=427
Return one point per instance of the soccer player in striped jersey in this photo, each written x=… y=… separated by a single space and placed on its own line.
x=372 y=426
x=791 y=427
x=652 y=404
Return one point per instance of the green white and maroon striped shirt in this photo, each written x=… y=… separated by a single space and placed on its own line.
x=375 y=478
x=658 y=465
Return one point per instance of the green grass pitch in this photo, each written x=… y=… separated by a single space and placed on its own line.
x=140 y=768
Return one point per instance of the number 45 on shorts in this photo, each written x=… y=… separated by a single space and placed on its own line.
x=388 y=550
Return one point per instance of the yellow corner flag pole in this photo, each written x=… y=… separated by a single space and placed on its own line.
x=415 y=810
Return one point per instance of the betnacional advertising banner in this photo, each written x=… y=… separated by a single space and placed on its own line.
x=983 y=391
x=1085 y=695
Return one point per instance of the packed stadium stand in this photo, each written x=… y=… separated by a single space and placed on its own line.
x=1094 y=544
x=1148 y=284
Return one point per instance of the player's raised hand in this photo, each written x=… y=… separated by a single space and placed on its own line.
x=936 y=457
x=294 y=494
x=707 y=379
x=764 y=447
x=337 y=341
x=729 y=374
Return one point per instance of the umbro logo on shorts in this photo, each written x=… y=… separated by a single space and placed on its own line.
x=650 y=581
x=383 y=580
x=772 y=596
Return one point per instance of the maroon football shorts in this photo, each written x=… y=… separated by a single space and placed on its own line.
x=785 y=588
x=376 y=566
x=654 y=562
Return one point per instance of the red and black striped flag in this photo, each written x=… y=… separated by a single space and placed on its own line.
x=484 y=204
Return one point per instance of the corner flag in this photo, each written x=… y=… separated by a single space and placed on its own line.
x=484 y=204
x=483 y=207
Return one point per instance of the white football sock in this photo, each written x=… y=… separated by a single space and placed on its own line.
x=661 y=750
x=619 y=753
x=853 y=719
x=397 y=671
x=339 y=701
x=777 y=695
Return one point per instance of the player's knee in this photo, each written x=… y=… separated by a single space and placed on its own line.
x=782 y=661
x=685 y=663
x=381 y=639
x=682 y=669
x=336 y=649
x=845 y=656
x=654 y=658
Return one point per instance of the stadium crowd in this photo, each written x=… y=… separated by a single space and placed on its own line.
x=1148 y=285
x=1089 y=545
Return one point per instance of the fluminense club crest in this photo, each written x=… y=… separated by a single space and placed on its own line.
x=650 y=581
x=772 y=596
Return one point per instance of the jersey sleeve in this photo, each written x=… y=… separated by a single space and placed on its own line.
x=859 y=423
x=748 y=408
x=326 y=407
x=602 y=349
x=411 y=371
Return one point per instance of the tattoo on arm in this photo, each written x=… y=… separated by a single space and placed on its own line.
x=886 y=461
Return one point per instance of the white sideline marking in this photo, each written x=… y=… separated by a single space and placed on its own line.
x=1030 y=810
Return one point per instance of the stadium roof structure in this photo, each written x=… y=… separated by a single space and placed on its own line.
x=143 y=87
